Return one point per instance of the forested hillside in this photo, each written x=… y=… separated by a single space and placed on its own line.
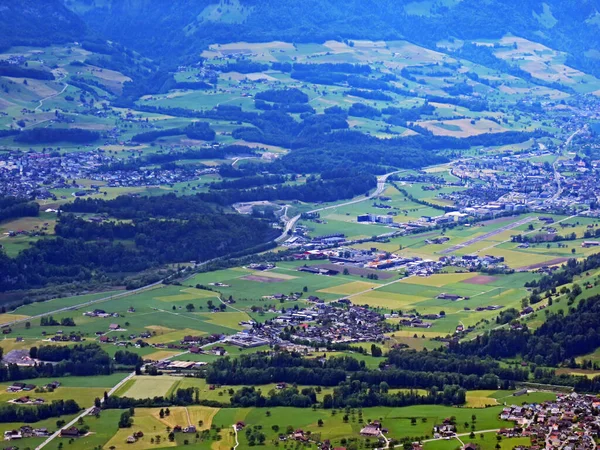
x=182 y=27
x=33 y=22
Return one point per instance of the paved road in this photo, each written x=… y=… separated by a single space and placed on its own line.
x=51 y=96
x=109 y=393
x=485 y=236
x=240 y=158
x=237 y=443
x=85 y=412
x=557 y=175
x=524 y=234
x=82 y=305
x=381 y=181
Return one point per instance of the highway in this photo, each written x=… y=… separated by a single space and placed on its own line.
x=381 y=181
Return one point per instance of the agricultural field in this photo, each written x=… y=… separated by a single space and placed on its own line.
x=138 y=313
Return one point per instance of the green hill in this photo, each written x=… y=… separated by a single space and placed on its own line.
x=182 y=27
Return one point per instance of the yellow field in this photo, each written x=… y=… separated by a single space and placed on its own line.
x=5 y=318
x=465 y=127
x=149 y=386
x=161 y=354
x=419 y=332
x=174 y=335
x=440 y=279
x=8 y=344
x=480 y=399
x=145 y=422
x=386 y=299
x=349 y=288
x=276 y=275
x=191 y=415
x=82 y=395
x=226 y=319
x=200 y=293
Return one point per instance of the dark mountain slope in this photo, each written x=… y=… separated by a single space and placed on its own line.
x=38 y=22
x=183 y=27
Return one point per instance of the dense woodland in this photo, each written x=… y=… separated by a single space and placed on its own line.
x=79 y=360
x=192 y=230
x=30 y=414
x=54 y=135
x=290 y=368
x=322 y=142
x=13 y=207
x=560 y=338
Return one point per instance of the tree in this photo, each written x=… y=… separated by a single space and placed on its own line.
x=126 y=420
x=328 y=401
x=376 y=351
x=190 y=307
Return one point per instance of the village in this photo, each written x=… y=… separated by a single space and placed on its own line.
x=570 y=422
x=37 y=175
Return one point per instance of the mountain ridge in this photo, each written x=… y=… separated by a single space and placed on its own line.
x=551 y=21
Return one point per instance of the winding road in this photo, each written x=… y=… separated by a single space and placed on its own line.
x=53 y=95
x=381 y=181
x=557 y=175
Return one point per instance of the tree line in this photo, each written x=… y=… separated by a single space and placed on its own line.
x=561 y=337
x=197 y=130
x=15 y=207
x=192 y=230
x=30 y=414
x=54 y=135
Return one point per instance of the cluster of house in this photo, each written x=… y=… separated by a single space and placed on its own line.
x=447 y=429
x=60 y=336
x=72 y=432
x=18 y=386
x=519 y=182
x=27 y=400
x=27 y=387
x=177 y=366
x=25 y=432
x=100 y=313
x=570 y=422
x=321 y=323
x=261 y=266
x=413 y=320
x=35 y=175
